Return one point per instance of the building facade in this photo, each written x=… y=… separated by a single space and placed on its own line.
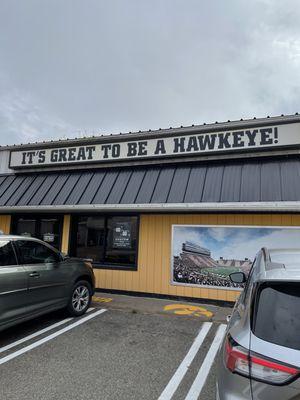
x=168 y=212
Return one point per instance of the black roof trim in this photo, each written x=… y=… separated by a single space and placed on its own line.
x=274 y=180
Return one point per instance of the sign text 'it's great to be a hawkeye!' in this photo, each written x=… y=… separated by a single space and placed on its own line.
x=159 y=147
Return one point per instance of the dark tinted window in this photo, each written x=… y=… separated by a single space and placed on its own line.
x=107 y=240
x=121 y=240
x=90 y=238
x=46 y=228
x=50 y=231
x=26 y=227
x=31 y=252
x=277 y=315
x=7 y=255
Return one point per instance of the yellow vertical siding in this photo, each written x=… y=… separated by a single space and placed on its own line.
x=154 y=254
x=5 y=221
x=66 y=234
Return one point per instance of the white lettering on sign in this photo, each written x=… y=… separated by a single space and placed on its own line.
x=254 y=138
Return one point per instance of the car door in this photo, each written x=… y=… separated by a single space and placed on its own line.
x=47 y=274
x=13 y=285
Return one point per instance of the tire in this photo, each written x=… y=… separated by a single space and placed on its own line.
x=80 y=298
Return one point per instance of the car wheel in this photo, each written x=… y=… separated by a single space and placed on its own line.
x=80 y=299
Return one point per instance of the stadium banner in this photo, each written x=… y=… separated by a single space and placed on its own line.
x=205 y=255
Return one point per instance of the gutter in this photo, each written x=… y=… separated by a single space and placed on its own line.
x=268 y=206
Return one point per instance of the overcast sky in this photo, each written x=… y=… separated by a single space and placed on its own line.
x=73 y=67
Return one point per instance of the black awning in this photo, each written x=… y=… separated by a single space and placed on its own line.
x=264 y=181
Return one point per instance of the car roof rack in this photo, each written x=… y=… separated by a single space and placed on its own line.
x=270 y=265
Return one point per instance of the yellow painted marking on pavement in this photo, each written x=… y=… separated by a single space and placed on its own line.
x=102 y=299
x=186 y=309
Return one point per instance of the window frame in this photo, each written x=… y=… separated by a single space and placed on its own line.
x=104 y=264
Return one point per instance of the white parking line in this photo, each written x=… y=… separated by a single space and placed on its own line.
x=185 y=364
x=50 y=337
x=202 y=375
x=38 y=333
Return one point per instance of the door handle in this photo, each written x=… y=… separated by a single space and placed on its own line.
x=34 y=275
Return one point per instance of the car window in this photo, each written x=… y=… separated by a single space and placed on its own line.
x=7 y=254
x=31 y=252
x=277 y=314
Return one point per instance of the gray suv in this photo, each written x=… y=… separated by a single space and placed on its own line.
x=35 y=279
x=260 y=355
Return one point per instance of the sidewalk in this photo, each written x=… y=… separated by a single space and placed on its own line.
x=146 y=305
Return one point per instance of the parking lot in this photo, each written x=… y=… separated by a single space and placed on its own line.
x=113 y=352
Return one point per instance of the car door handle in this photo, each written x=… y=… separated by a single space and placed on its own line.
x=34 y=275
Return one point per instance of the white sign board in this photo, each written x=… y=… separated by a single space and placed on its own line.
x=195 y=144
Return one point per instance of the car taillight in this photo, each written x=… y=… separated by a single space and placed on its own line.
x=238 y=360
x=236 y=357
x=271 y=371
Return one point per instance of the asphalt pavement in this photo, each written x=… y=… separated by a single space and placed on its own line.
x=114 y=352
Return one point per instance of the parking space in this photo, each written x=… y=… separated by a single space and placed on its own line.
x=110 y=354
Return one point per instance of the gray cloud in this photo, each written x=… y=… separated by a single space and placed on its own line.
x=72 y=67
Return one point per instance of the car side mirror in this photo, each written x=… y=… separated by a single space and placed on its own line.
x=238 y=277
